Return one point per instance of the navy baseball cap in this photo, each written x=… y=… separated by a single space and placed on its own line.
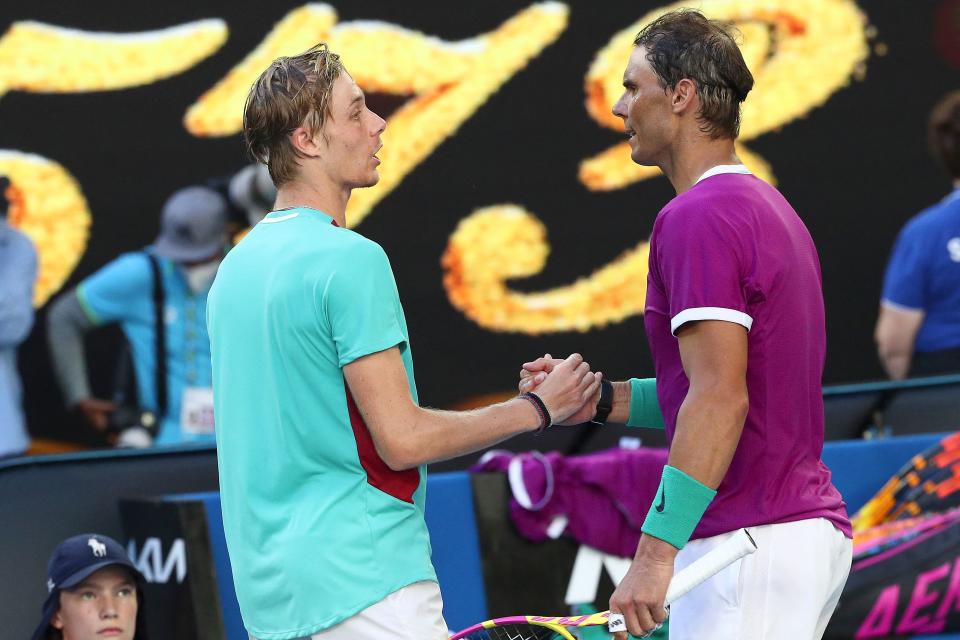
x=192 y=225
x=73 y=561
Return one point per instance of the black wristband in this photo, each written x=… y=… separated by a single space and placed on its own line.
x=605 y=403
x=545 y=420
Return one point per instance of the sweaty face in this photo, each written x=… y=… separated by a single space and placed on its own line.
x=645 y=109
x=351 y=136
x=102 y=606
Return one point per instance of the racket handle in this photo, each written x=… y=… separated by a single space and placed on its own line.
x=737 y=546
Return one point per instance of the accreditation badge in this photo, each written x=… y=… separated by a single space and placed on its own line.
x=196 y=411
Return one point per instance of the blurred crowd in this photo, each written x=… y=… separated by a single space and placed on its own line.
x=157 y=295
x=161 y=390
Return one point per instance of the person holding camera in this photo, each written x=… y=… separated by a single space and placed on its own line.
x=158 y=296
x=18 y=272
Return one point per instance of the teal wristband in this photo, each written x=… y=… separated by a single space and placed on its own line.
x=677 y=507
x=644 y=408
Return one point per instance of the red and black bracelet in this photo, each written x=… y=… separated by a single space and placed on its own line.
x=545 y=420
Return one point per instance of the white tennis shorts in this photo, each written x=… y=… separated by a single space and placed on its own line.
x=414 y=612
x=787 y=590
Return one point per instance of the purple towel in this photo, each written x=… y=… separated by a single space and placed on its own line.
x=604 y=496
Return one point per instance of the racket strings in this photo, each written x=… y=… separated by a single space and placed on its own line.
x=515 y=632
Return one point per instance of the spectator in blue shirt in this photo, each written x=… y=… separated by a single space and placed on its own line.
x=186 y=255
x=18 y=272
x=918 y=330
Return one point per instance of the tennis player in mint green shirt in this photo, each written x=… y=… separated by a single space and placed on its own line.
x=321 y=443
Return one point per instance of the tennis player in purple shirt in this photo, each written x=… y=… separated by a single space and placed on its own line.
x=735 y=320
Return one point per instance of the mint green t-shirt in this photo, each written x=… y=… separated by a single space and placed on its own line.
x=318 y=527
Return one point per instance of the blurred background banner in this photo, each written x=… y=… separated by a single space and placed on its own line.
x=514 y=220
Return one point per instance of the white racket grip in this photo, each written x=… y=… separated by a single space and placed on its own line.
x=616 y=622
x=737 y=546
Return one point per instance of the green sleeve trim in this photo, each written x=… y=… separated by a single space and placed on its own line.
x=85 y=305
x=644 y=408
x=677 y=508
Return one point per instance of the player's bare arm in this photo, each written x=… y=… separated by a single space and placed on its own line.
x=407 y=435
x=714 y=356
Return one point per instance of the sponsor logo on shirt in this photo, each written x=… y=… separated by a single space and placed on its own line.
x=953 y=246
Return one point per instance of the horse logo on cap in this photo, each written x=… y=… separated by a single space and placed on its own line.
x=99 y=549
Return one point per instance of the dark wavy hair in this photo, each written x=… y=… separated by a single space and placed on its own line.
x=685 y=44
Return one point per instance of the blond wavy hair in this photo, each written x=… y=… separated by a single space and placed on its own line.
x=292 y=92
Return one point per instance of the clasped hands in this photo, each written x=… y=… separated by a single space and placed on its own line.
x=547 y=375
x=640 y=595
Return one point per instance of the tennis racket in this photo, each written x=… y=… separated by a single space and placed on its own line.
x=737 y=546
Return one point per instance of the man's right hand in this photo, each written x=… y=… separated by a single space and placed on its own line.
x=533 y=374
x=96 y=412
x=568 y=387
